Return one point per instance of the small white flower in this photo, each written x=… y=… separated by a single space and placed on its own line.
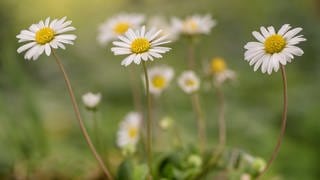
x=274 y=48
x=168 y=30
x=91 y=100
x=43 y=36
x=129 y=131
x=194 y=25
x=166 y=123
x=189 y=82
x=218 y=68
x=159 y=78
x=118 y=25
x=140 y=45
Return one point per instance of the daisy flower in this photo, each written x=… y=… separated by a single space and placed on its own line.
x=140 y=45
x=118 y=25
x=91 y=100
x=129 y=131
x=189 y=82
x=274 y=48
x=167 y=28
x=43 y=36
x=220 y=72
x=159 y=78
x=194 y=25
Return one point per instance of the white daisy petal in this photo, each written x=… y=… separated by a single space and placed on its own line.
x=43 y=36
x=47 y=49
x=265 y=64
x=292 y=33
x=258 y=36
x=67 y=29
x=271 y=30
x=121 y=44
x=273 y=49
x=253 y=45
x=67 y=37
x=129 y=130
x=295 y=50
x=264 y=32
x=25 y=47
x=284 y=29
x=194 y=25
x=189 y=82
x=138 y=47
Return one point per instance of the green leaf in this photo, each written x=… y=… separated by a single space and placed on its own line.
x=125 y=170
x=140 y=172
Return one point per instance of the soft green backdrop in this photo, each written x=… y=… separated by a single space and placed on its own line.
x=37 y=125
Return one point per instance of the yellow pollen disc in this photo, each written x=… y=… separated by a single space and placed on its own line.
x=191 y=24
x=274 y=44
x=189 y=82
x=158 y=81
x=44 y=35
x=218 y=65
x=121 y=28
x=132 y=132
x=140 y=45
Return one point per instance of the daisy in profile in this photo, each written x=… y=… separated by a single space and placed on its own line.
x=189 y=82
x=218 y=68
x=118 y=25
x=168 y=30
x=140 y=45
x=273 y=48
x=129 y=131
x=91 y=100
x=43 y=36
x=159 y=79
x=194 y=25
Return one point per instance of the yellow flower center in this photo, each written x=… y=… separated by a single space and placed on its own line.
x=44 y=35
x=133 y=132
x=190 y=24
x=189 y=82
x=158 y=81
x=121 y=28
x=140 y=45
x=274 y=44
x=218 y=65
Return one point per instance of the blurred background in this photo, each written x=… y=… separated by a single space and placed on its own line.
x=38 y=130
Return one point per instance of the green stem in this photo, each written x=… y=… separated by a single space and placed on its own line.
x=135 y=90
x=283 y=124
x=148 y=119
x=200 y=121
x=221 y=117
x=191 y=54
x=79 y=118
x=96 y=129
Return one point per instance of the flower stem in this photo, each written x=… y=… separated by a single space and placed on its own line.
x=200 y=121
x=284 y=122
x=96 y=129
x=221 y=117
x=191 y=55
x=79 y=118
x=135 y=90
x=148 y=119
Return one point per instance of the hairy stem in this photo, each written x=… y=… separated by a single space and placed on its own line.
x=221 y=117
x=148 y=119
x=200 y=121
x=79 y=118
x=135 y=90
x=284 y=122
x=191 y=55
